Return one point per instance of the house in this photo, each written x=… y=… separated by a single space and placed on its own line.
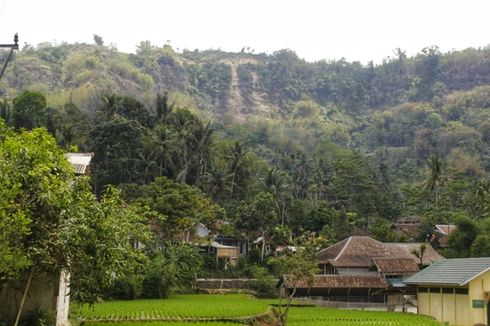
x=441 y=234
x=226 y=248
x=455 y=291
x=362 y=269
x=407 y=227
x=80 y=162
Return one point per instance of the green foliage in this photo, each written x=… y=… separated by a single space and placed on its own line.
x=463 y=237
x=98 y=243
x=34 y=184
x=295 y=267
x=175 y=206
x=29 y=110
x=264 y=283
x=52 y=221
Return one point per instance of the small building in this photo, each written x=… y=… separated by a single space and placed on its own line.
x=218 y=246
x=455 y=291
x=441 y=234
x=407 y=227
x=80 y=162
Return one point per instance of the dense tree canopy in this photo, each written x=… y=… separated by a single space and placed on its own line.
x=50 y=220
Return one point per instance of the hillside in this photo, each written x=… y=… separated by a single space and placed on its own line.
x=272 y=142
x=433 y=102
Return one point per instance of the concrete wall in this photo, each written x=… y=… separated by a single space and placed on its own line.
x=42 y=295
x=479 y=289
x=452 y=308
x=214 y=284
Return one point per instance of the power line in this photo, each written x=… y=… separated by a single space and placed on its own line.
x=12 y=47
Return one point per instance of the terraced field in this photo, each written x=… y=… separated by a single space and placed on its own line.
x=314 y=316
x=176 y=307
x=230 y=309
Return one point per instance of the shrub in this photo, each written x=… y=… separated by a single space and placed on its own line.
x=264 y=283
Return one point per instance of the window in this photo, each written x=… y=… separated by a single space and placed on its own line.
x=461 y=291
x=448 y=290
x=435 y=290
x=423 y=290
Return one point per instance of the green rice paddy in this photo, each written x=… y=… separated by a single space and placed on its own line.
x=230 y=309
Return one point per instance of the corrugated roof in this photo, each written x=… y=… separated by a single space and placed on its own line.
x=359 y=252
x=341 y=281
x=215 y=244
x=445 y=229
x=79 y=161
x=458 y=271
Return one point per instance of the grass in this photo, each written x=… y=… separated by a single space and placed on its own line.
x=234 y=305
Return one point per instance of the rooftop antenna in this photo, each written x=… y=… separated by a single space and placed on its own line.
x=12 y=47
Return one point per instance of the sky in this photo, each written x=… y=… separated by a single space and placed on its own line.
x=357 y=30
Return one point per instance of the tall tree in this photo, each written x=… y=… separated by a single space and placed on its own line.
x=435 y=179
x=29 y=110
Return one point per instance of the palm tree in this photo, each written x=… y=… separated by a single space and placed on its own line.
x=277 y=182
x=235 y=161
x=163 y=108
x=5 y=110
x=111 y=104
x=163 y=139
x=482 y=196
x=66 y=134
x=436 y=175
x=147 y=158
x=215 y=182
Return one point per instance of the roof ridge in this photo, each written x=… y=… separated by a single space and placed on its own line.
x=343 y=249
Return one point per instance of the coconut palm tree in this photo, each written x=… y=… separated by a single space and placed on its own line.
x=436 y=175
x=235 y=161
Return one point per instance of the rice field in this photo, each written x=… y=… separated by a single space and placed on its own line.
x=315 y=316
x=164 y=324
x=178 y=307
x=220 y=310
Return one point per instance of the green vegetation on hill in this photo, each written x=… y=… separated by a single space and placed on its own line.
x=252 y=146
x=332 y=146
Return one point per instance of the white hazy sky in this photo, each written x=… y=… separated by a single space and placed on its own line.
x=323 y=29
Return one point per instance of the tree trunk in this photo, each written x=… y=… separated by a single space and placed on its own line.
x=24 y=296
x=263 y=248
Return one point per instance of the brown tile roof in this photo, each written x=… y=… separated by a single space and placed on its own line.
x=413 y=219
x=359 y=252
x=353 y=252
x=396 y=266
x=406 y=229
x=341 y=281
x=406 y=249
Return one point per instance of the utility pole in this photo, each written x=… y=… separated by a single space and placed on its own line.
x=12 y=47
